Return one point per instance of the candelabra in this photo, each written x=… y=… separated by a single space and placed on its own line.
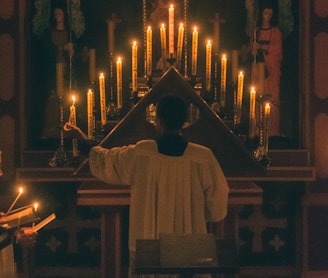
x=60 y=158
x=261 y=153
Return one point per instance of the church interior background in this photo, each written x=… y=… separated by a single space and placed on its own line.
x=282 y=235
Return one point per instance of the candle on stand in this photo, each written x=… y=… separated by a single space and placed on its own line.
x=171 y=30
x=194 y=51
x=102 y=99
x=20 y=192
x=90 y=104
x=208 y=65
x=252 y=101
x=119 y=83
x=163 y=43
x=149 y=54
x=92 y=65
x=134 y=79
x=267 y=109
x=240 y=89
x=180 y=45
x=223 y=84
x=60 y=79
x=72 y=120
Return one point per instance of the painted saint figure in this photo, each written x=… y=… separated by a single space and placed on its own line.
x=267 y=49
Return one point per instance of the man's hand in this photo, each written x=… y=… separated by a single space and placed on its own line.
x=26 y=237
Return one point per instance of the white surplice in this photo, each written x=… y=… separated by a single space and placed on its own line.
x=169 y=194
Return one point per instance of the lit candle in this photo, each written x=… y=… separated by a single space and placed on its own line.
x=171 y=30
x=92 y=65
x=72 y=120
x=163 y=42
x=252 y=98
x=266 y=127
x=134 y=79
x=240 y=89
x=90 y=104
x=149 y=46
x=60 y=79
x=266 y=115
x=194 y=51
x=110 y=29
x=102 y=99
x=20 y=192
x=223 y=80
x=119 y=82
x=234 y=65
x=208 y=65
x=180 y=44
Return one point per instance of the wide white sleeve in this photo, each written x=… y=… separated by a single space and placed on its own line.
x=115 y=166
x=216 y=192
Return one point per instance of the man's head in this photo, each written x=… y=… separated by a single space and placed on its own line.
x=171 y=113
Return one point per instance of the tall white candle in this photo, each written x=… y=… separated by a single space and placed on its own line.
x=194 y=51
x=102 y=99
x=267 y=109
x=223 y=83
x=163 y=43
x=252 y=102
x=119 y=83
x=240 y=90
x=72 y=120
x=180 y=45
x=134 y=79
x=208 y=65
x=171 y=30
x=149 y=54
x=90 y=103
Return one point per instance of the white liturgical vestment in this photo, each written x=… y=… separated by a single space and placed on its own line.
x=169 y=194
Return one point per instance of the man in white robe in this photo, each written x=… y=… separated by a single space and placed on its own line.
x=176 y=186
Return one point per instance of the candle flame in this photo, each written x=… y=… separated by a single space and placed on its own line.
x=162 y=25
x=195 y=28
x=36 y=205
x=171 y=6
x=209 y=42
x=181 y=25
x=21 y=190
x=119 y=60
x=224 y=56
x=134 y=43
x=267 y=105
x=73 y=99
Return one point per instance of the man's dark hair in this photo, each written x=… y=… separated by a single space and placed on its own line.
x=171 y=110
